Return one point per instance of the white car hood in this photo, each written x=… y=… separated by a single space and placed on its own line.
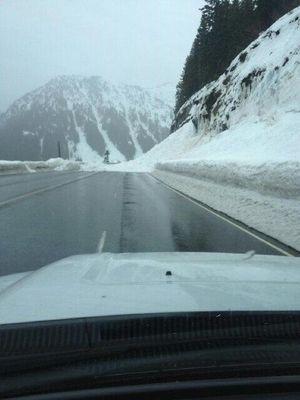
x=116 y=284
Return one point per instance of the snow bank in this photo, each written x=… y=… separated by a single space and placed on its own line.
x=280 y=180
x=14 y=167
x=54 y=164
x=254 y=155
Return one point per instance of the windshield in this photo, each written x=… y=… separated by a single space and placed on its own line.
x=149 y=162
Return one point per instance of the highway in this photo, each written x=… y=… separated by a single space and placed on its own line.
x=47 y=216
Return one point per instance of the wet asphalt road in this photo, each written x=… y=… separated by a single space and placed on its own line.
x=114 y=212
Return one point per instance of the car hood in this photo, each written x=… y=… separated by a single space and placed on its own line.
x=118 y=284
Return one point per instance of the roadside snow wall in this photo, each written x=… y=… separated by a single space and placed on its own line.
x=53 y=164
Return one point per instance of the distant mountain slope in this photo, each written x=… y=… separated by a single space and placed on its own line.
x=86 y=116
x=166 y=92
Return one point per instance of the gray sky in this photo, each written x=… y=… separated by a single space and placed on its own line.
x=142 y=42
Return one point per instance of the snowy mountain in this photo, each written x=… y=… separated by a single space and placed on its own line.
x=86 y=116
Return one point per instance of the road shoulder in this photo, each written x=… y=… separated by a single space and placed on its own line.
x=275 y=217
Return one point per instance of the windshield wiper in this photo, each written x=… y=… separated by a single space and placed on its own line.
x=92 y=352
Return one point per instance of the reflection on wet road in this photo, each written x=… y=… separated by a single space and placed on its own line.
x=110 y=212
x=157 y=219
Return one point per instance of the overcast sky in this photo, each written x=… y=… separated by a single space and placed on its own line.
x=142 y=42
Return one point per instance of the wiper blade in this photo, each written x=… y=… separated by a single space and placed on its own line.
x=100 y=349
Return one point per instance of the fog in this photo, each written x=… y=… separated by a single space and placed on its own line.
x=142 y=42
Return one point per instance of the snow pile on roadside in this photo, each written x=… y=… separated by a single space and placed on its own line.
x=14 y=167
x=253 y=155
x=275 y=179
x=53 y=164
x=57 y=164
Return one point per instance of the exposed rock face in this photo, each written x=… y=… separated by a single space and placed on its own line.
x=86 y=116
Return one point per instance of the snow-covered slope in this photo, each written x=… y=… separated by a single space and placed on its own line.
x=261 y=84
x=87 y=116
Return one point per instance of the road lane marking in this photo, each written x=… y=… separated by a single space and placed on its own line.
x=217 y=214
x=38 y=191
x=101 y=242
x=38 y=176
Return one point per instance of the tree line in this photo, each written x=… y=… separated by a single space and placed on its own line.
x=226 y=28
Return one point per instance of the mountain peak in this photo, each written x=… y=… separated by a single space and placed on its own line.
x=86 y=115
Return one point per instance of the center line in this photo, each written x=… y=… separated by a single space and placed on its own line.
x=101 y=242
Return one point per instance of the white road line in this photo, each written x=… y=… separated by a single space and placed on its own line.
x=284 y=252
x=101 y=242
x=25 y=195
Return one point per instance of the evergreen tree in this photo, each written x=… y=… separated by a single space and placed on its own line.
x=268 y=11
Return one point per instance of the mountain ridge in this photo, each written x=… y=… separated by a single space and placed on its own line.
x=86 y=115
